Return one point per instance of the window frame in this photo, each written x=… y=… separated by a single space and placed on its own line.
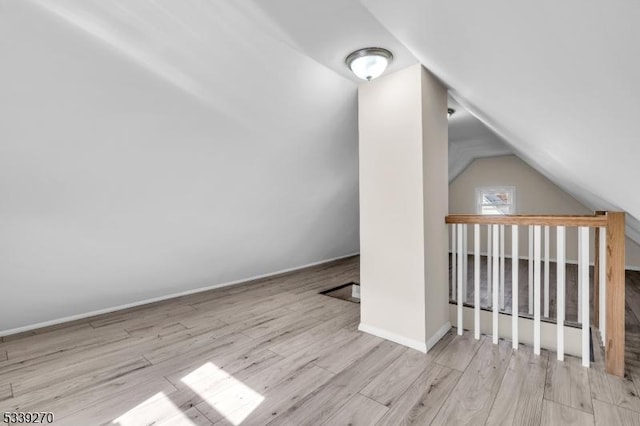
x=502 y=188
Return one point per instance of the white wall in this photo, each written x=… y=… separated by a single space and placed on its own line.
x=119 y=184
x=535 y=194
x=435 y=181
x=403 y=197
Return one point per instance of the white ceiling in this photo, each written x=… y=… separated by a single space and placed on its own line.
x=469 y=139
x=329 y=30
x=556 y=80
x=194 y=46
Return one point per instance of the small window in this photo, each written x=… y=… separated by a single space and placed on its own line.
x=496 y=200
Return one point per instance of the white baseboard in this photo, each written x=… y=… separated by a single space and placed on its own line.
x=387 y=335
x=160 y=298
x=438 y=335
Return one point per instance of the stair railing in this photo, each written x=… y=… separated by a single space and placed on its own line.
x=536 y=327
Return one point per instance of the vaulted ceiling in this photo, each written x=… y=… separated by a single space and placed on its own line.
x=553 y=82
x=469 y=139
x=556 y=81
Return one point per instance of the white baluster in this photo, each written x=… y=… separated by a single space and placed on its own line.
x=584 y=278
x=560 y=275
x=489 y=264
x=465 y=275
x=546 y=272
x=530 y=269
x=496 y=278
x=502 y=259
x=579 y=319
x=514 y=285
x=603 y=283
x=536 y=289
x=461 y=283
x=453 y=261
x=476 y=280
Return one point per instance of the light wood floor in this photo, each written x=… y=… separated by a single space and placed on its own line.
x=276 y=352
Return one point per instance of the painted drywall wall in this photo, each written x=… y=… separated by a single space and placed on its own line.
x=632 y=255
x=403 y=198
x=131 y=170
x=435 y=181
x=535 y=194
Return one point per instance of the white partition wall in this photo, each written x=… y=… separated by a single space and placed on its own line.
x=403 y=202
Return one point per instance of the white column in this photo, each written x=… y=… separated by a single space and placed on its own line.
x=560 y=302
x=584 y=278
x=496 y=279
x=514 y=286
x=403 y=157
x=476 y=281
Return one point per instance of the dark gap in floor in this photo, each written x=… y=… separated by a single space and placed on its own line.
x=345 y=292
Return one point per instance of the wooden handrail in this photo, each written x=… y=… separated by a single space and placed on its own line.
x=593 y=221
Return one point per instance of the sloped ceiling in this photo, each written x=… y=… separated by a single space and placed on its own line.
x=557 y=80
x=469 y=139
x=178 y=144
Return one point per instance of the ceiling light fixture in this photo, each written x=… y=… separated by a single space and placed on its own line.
x=369 y=63
x=450 y=112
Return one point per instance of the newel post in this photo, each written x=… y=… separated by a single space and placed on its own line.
x=615 y=299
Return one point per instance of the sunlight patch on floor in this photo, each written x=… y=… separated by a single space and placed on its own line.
x=222 y=392
x=158 y=407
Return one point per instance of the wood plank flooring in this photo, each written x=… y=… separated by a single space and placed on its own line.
x=274 y=351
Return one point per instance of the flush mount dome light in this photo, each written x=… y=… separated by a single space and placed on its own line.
x=369 y=63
